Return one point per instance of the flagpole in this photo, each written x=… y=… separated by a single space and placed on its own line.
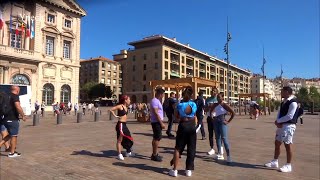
x=228 y=67
x=263 y=62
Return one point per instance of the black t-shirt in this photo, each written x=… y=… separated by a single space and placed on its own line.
x=172 y=101
x=13 y=114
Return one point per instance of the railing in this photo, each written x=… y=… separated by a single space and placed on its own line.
x=19 y=53
x=189 y=66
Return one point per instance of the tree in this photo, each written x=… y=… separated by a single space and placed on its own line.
x=109 y=92
x=303 y=96
x=99 y=90
x=85 y=90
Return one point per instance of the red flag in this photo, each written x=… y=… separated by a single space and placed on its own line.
x=28 y=27
x=1 y=20
x=22 y=28
x=17 y=30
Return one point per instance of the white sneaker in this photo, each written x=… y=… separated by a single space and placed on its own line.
x=221 y=150
x=211 y=152
x=173 y=173
x=188 y=173
x=13 y=155
x=272 y=164
x=286 y=168
x=229 y=160
x=130 y=154
x=219 y=157
x=120 y=157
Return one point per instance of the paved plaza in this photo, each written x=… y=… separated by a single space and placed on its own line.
x=87 y=151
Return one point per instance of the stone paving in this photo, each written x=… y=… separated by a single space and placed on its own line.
x=86 y=150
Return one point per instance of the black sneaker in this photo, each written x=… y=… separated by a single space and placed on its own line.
x=170 y=135
x=15 y=154
x=8 y=150
x=156 y=158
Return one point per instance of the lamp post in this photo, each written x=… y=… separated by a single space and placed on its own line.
x=226 y=50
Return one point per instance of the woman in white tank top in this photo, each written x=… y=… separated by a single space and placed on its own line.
x=219 y=110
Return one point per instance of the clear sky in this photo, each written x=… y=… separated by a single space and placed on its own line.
x=288 y=29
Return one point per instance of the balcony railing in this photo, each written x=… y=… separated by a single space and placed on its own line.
x=202 y=70
x=174 y=61
x=20 y=53
x=189 y=66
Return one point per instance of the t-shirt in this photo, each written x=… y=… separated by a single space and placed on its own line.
x=172 y=101
x=13 y=114
x=183 y=105
x=209 y=102
x=155 y=103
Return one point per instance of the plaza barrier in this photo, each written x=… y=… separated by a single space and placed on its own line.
x=96 y=116
x=79 y=117
x=59 y=118
x=36 y=118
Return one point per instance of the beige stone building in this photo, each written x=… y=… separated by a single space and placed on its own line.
x=158 y=57
x=102 y=70
x=49 y=59
x=256 y=82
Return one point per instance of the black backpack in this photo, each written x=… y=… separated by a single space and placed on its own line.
x=5 y=106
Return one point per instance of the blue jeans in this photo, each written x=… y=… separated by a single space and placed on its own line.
x=221 y=132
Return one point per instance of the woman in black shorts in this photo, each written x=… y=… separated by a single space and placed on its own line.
x=186 y=134
x=124 y=138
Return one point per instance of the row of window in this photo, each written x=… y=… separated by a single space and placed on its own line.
x=145 y=56
x=48 y=94
x=50 y=47
x=114 y=81
x=103 y=72
x=156 y=66
x=114 y=67
x=51 y=18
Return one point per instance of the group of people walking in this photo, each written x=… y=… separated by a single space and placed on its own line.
x=190 y=114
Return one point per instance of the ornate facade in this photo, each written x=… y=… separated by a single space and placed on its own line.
x=40 y=47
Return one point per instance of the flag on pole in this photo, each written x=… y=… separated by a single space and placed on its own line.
x=229 y=37
x=32 y=28
x=17 y=30
x=264 y=61
x=1 y=20
x=28 y=27
x=22 y=28
x=226 y=48
x=281 y=71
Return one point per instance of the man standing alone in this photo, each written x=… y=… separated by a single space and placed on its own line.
x=169 y=112
x=157 y=124
x=11 y=121
x=286 y=125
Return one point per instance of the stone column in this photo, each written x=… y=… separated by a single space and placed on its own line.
x=6 y=75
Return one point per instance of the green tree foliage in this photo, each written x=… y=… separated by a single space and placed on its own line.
x=86 y=89
x=108 y=92
x=303 y=96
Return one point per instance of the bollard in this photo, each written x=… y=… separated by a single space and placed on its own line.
x=79 y=117
x=110 y=116
x=59 y=118
x=36 y=119
x=96 y=116
x=135 y=115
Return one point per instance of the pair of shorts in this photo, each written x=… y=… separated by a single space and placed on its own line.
x=12 y=126
x=2 y=128
x=157 y=131
x=285 y=134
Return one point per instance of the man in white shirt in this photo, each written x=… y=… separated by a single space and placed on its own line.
x=286 y=126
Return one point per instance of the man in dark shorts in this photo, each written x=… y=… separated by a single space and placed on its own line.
x=169 y=112
x=156 y=118
x=11 y=121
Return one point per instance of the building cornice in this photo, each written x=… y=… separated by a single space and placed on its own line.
x=80 y=11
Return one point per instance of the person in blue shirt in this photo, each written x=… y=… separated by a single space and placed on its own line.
x=186 y=134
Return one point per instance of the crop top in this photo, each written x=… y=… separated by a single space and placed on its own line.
x=181 y=107
x=122 y=112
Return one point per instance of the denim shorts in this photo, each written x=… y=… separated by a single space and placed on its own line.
x=2 y=128
x=12 y=127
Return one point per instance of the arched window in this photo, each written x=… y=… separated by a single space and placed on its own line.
x=20 y=79
x=65 y=94
x=144 y=99
x=48 y=94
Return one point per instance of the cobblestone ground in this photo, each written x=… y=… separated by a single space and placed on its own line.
x=87 y=151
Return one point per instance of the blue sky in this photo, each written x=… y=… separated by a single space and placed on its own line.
x=288 y=29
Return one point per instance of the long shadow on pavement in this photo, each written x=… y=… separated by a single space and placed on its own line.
x=238 y=164
x=143 y=167
x=107 y=154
